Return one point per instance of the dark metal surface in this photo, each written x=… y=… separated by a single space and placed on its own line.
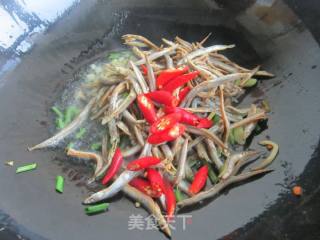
x=266 y=33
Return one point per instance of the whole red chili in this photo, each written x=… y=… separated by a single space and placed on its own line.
x=155 y=180
x=167 y=135
x=183 y=93
x=147 y=108
x=186 y=117
x=165 y=122
x=170 y=199
x=199 y=180
x=144 y=186
x=179 y=81
x=166 y=75
x=204 y=123
x=163 y=97
x=142 y=163
x=116 y=163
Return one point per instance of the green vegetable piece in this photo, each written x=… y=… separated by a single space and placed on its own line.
x=192 y=162
x=57 y=112
x=97 y=208
x=231 y=138
x=70 y=145
x=211 y=174
x=71 y=112
x=196 y=164
x=178 y=194
x=26 y=168
x=238 y=134
x=80 y=133
x=237 y=82
x=250 y=83
x=216 y=118
x=59 y=123
x=114 y=55
x=59 y=184
x=96 y=146
x=126 y=94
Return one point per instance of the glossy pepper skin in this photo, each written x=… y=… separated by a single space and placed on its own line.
x=144 y=186
x=204 y=123
x=180 y=81
x=116 y=163
x=186 y=117
x=170 y=199
x=156 y=180
x=163 y=97
x=199 y=180
x=167 y=135
x=165 y=122
x=147 y=108
x=169 y=74
x=183 y=93
x=142 y=163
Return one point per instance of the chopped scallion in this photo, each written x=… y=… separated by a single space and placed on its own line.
x=26 y=168
x=97 y=208
x=59 y=184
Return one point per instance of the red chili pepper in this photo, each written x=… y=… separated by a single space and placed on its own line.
x=116 y=163
x=142 y=163
x=170 y=199
x=155 y=180
x=205 y=123
x=199 y=180
x=144 y=69
x=186 y=117
x=179 y=81
x=165 y=122
x=183 y=93
x=167 y=135
x=166 y=75
x=147 y=108
x=144 y=186
x=163 y=97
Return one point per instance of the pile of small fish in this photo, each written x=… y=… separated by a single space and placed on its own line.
x=174 y=107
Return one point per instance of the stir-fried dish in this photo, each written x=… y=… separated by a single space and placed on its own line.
x=169 y=125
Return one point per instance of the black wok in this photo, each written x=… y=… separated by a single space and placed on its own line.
x=269 y=33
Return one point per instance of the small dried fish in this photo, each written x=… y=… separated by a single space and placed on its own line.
x=124 y=128
x=156 y=55
x=205 y=86
x=206 y=133
x=68 y=130
x=140 y=78
x=232 y=161
x=151 y=206
x=216 y=189
x=274 y=152
x=114 y=188
x=131 y=37
x=224 y=117
x=88 y=155
x=202 y=51
x=151 y=77
x=182 y=162
x=120 y=108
